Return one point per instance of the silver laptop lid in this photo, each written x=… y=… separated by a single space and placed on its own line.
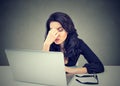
x=37 y=67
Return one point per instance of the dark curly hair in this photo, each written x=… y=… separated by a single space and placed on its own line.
x=71 y=42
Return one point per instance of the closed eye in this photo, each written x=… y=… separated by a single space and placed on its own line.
x=60 y=29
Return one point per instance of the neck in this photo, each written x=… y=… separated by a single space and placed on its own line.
x=62 y=46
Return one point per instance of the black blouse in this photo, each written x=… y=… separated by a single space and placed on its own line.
x=94 y=64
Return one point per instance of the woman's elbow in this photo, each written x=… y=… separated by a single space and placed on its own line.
x=100 y=69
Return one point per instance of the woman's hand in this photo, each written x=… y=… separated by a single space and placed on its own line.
x=65 y=60
x=70 y=70
x=52 y=35
x=76 y=70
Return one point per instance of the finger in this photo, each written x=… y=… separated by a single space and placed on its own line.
x=54 y=31
x=56 y=35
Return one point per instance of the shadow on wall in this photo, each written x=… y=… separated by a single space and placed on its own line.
x=3 y=58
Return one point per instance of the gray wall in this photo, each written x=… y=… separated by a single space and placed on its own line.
x=22 y=24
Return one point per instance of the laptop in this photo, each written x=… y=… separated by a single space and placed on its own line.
x=38 y=67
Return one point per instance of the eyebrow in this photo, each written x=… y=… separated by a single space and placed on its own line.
x=60 y=27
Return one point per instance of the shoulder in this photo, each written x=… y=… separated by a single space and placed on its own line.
x=76 y=43
x=79 y=41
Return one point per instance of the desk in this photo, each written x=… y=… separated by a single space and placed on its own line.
x=110 y=77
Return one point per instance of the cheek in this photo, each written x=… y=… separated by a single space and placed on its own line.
x=64 y=35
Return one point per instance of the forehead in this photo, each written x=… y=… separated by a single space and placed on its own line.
x=55 y=24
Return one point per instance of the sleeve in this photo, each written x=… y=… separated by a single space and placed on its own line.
x=94 y=64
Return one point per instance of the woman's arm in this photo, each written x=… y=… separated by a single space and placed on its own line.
x=46 y=47
x=94 y=64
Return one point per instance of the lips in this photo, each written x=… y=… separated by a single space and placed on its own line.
x=57 y=40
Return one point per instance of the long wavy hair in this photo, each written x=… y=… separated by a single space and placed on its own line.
x=71 y=42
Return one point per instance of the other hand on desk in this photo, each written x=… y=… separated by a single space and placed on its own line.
x=75 y=70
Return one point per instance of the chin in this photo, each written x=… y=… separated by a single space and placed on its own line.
x=57 y=43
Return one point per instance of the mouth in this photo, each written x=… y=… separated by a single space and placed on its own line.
x=57 y=40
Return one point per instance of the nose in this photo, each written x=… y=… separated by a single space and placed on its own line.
x=58 y=34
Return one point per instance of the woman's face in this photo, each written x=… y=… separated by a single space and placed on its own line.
x=61 y=31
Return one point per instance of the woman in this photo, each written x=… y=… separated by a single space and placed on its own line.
x=61 y=36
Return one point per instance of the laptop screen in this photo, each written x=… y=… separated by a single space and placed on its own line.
x=37 y=67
